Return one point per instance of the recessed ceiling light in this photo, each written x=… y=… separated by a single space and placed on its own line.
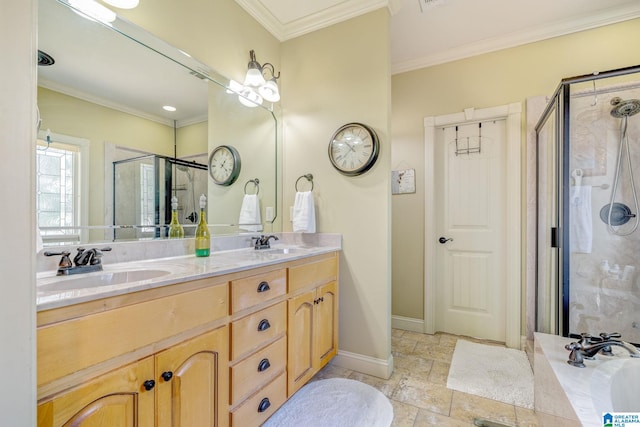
x=122 y=4
x=169 y=108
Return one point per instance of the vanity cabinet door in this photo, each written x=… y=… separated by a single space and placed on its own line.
x=116 y=399
x=300 y=330
x=192 y=380
x=312 y=333
x=326 y=333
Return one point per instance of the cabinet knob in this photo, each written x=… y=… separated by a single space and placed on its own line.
x=264 y=405
x=263 y=365
x=263 y=325
x=149 y=384
x=167 y=375
x=263 y=287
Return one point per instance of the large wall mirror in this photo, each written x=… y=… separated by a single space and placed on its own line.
x=110 y=158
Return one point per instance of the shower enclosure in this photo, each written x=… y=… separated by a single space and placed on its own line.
x=588 y=241
x=142 y=190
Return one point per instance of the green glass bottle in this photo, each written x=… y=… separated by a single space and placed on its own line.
x=175 y=228
x=203 y=237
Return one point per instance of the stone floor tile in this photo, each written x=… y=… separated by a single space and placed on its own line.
x=526 y=417
x=387 y=387
x=397 y=333
x=432 y=397
x=434 y=351
x=424 y=338
x=412 y=365
x=403 y=415
x=428 y=418
x=403 y=345
x=439 y=373
x=332 y=371
x=466 y=407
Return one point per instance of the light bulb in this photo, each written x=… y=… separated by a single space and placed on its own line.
x=249 y=98
x=254 y=77
x=269 y=91
x=93 y=10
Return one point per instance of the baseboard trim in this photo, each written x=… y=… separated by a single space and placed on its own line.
x=365 y=364
x=407 y=324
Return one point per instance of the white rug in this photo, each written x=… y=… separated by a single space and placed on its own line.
x=334 y=402
x=498 y=373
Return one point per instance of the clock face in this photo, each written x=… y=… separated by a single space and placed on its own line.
x=224 y=165
x=353 y=149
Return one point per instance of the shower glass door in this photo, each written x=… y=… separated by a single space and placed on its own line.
x=588 y=208
x=602 y=195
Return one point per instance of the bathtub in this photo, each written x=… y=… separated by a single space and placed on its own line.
x=570 y=396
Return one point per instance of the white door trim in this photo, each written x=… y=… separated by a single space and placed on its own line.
x=512 y=114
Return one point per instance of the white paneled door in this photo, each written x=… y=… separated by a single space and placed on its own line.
x=470 y=205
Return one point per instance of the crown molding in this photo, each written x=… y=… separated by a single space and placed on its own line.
x=316 y=21
x=555 y=29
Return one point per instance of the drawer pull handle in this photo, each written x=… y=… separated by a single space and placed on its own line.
x=167 y=375
x=263 y=287
x=263 y=365
x=263 y=325
x=149 y=384
x=264 y=405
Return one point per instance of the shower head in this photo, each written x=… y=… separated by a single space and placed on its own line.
x=623 y=108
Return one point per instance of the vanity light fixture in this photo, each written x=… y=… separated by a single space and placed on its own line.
x=93 y=11
x=122 y=4
x=256 y=80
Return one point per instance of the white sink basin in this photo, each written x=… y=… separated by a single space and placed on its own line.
x=93 y=280
x=283 y=250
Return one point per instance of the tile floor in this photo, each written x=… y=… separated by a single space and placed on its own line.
x=418 y=386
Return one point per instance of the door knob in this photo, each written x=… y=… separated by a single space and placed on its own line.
x=444 y=240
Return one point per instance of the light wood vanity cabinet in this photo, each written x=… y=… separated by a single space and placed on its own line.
x=312 y=320
x=228 y=350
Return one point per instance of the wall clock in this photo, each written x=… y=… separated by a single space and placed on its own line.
x=353 y=149
x=224 y=165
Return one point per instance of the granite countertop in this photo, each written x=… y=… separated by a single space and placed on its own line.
x=58 y=291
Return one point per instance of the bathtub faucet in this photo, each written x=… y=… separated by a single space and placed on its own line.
x=587 y=347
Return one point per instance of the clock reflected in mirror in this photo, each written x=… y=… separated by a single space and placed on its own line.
x=353 y=149
x=224 y=165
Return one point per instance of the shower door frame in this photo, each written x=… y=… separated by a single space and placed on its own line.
x=560 y=105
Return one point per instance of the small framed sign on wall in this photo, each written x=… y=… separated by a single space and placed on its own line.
x=403 y=181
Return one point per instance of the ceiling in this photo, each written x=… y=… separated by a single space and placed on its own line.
x=430 y=32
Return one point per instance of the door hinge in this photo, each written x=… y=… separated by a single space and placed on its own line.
x=555 y=237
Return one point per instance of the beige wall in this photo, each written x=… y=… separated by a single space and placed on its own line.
x=17 y=250
x=488 y=80
x=334 y=76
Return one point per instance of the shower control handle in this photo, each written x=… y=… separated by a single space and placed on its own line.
x=444 y=240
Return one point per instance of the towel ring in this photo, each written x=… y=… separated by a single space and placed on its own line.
x=309 y=178
x=255 y=182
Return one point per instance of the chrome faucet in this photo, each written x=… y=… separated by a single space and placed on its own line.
x=85 y=261
x=587 y=347
x=262 y=242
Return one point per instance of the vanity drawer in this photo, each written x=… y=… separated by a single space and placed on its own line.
x=256 y=409
x=251 y=332
x=257 y=370
x=73 y=345
x=256 y=289
x=313 y=274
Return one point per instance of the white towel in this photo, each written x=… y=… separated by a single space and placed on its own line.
x=304 y=213
x=581 y=227
x=250 y=214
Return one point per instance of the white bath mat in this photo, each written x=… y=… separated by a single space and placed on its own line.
x=334 y=402
x=497 y=373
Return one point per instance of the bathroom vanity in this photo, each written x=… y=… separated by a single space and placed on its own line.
x=214 y=342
